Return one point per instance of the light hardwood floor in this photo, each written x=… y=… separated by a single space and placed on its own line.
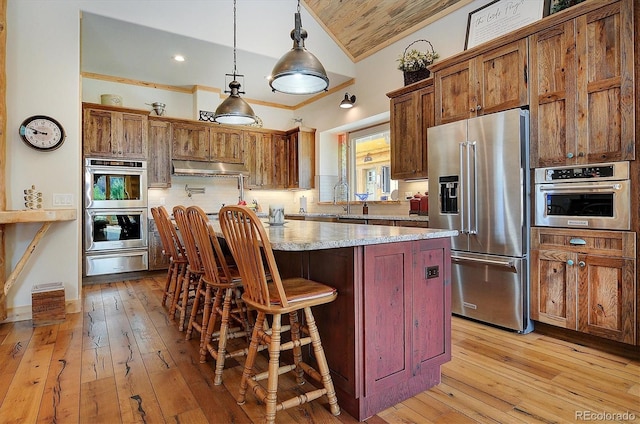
x=123 y=361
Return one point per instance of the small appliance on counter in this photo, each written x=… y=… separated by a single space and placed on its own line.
x=424 y=205
x=414 y=204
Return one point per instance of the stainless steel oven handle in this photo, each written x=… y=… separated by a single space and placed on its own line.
x=505 y=263
x=574 y=187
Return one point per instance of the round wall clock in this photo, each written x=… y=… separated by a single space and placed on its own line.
x=42 y=133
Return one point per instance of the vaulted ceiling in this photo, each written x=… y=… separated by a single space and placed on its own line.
x=363 y=27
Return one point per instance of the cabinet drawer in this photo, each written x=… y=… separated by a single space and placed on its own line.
x=610 y=243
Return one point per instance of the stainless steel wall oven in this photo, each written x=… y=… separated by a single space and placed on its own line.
x=584 y=196
x=115 y=218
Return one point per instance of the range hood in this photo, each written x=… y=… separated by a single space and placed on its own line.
x=207 y=169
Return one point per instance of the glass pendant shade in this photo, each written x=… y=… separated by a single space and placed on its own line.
x=234 y=110
x=298 y=71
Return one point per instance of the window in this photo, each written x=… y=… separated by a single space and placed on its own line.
x=367 y=157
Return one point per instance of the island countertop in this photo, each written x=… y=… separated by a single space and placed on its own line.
x=312 y=235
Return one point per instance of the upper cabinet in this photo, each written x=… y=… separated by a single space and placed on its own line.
x=259 y=159
x=114 y=134
x=301 y=158
x=490 y=82
x=159 y=163
x=412 y=112
x=226 y=145
x=190 y=141
x=582 y=89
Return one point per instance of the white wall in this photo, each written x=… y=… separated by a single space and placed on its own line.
x=43 y=53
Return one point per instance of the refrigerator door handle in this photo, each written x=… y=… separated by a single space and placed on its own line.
x=505 y=263
x=462 y=192
x=472 y=189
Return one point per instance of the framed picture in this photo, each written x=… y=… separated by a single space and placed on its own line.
x=500 y=17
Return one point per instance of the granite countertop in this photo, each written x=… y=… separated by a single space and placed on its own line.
x=299 y=235
x=360 y=216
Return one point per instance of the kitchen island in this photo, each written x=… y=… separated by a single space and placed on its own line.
x=389 y=330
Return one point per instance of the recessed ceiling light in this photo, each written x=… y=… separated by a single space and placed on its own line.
x=178 y=58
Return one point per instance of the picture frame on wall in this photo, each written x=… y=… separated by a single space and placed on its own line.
x=500 y=17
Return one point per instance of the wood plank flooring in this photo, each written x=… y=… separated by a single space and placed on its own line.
x=123 y=361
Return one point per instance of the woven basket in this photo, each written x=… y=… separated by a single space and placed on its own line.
x=414 y=76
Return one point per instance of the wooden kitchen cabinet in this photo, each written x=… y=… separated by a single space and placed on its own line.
x=493 y=81
x=582 y=89
x=226 y=145
x=159 y=163
x=301 y=155
x=280 y=160
x=259 y=154
x=190 y=140
x=585 y=280
x=412 y=112
x=157 y=260
x=114 y=134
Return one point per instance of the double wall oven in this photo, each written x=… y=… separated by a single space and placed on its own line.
x=584 y=196
x=115 y=218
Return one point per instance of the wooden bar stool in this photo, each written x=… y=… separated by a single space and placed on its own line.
x=173 y=249
x=193 y=275
x=225 y=282
x=250 y=247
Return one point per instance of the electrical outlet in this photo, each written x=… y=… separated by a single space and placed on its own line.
x=62 y=199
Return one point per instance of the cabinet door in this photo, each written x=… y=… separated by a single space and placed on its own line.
x=157 y=260
x=301 y=157
x=280 y=160
x=408 y=150
x=456 y=93
x=553 y=100
x=431 y=308
x=97 y=136
x=605 y=116
x=226 y=145
x=259 y=159
x=159 y=165
x=606 y=297
x=387 y=315
x=553 y=288
x=190 y=141
x=132 y=140
x=502 y=78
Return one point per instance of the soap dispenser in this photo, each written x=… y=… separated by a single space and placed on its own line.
x=365 y=208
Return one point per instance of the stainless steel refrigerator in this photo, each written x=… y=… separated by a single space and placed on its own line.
x=479 y=185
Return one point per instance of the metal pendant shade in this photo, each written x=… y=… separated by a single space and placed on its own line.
x=299 y=71
x=234 y=110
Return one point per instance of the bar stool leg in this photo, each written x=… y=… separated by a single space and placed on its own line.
x=208 y=331
x=297 y=350
x=251 y=358
x=274 y=366
x=222 y=341
x=322 y=362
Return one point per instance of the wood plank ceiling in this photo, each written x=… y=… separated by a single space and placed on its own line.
x=363 y=27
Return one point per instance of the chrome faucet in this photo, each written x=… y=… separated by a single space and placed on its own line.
x=342 y=184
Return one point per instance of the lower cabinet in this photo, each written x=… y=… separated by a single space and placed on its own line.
x=585 y=280
x=406 y=313
x=157 y=261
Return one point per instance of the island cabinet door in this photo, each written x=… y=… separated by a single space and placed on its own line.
x=387 y=319
x=431 y=307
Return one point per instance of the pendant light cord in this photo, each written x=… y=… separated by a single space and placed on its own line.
x=235 y=71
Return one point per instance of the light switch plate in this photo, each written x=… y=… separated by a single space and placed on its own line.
x=62 y=199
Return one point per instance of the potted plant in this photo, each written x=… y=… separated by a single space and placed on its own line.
x=413 y=63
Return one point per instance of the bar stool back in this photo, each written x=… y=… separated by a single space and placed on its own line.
x=227 y=303
x=192 y=277
x=251 y=249
x=174 y=250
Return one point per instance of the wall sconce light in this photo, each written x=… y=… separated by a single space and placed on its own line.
x=368 y=158
x=347 y=102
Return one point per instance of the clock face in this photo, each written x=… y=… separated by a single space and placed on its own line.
x=42 y=132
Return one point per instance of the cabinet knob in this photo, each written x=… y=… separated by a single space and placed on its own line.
x=479 y=108
x=472 y=110
x=569 y=155
x=570 y=262
x=581 y=264
x=580 y=154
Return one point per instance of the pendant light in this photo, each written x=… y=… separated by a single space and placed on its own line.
x=234 y=110
x=298 y=71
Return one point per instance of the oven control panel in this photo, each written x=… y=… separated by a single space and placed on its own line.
x=580 y=172
x=604 y=171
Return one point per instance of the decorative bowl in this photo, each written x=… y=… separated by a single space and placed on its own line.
x=362 y=196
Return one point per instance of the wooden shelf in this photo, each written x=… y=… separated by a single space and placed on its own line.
x=40 y=215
